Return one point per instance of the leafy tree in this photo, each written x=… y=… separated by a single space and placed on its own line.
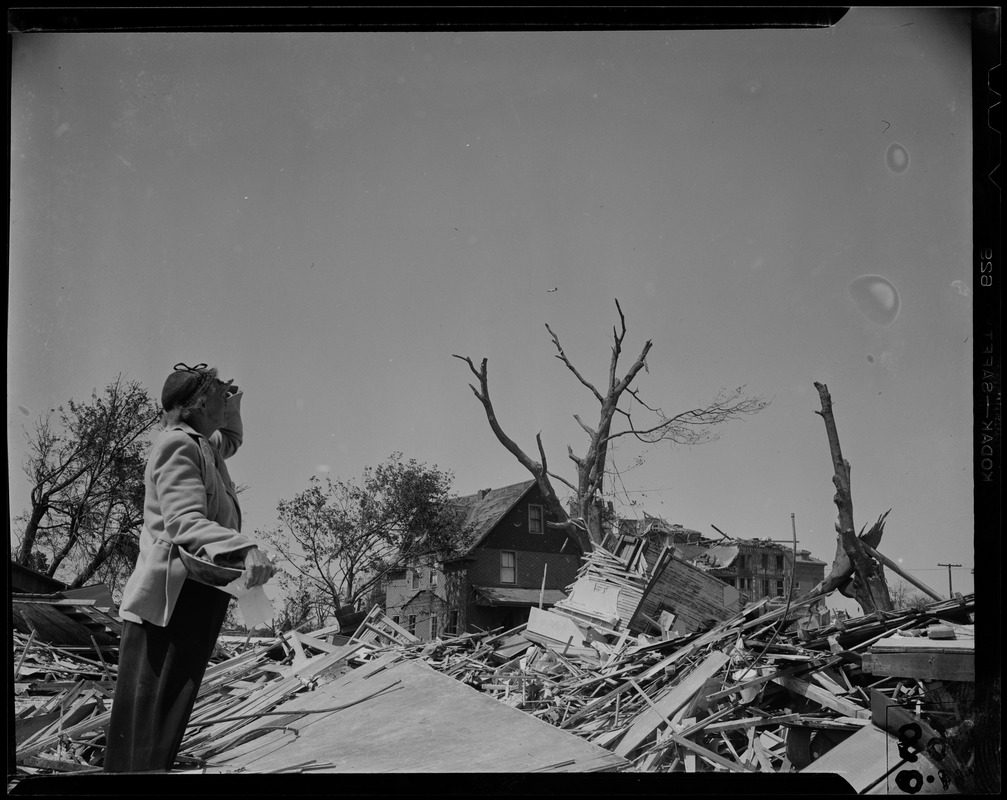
x=690 y=427
x=340 y=538
x=85 y=464
x=904 y=598
x=299 y=606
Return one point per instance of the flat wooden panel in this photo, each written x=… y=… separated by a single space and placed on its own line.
x=424 y=722
x=871 y=762
x=918 y=644
x=53 y=626
x=924 y=666
x=695 y=596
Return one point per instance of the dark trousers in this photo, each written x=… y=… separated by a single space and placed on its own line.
x=160 y=670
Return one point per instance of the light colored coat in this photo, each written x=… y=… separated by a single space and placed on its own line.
x=190 y=503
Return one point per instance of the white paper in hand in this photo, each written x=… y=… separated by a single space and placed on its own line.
x=255 y=606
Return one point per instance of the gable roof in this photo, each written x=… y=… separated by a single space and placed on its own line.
x=485 y=509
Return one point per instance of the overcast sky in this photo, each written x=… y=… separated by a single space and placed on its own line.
x=329 y=217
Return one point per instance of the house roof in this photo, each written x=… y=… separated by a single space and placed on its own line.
x=416 y=594
x=27 y=580
x=508 y=596
x=649 y=524
x=488 y=507
x=720 y=556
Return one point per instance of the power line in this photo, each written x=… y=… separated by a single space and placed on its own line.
x=932 y=569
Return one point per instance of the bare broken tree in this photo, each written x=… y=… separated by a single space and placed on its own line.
x=695 y=426
x=854 y=572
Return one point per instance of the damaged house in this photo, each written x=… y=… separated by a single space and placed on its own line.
x=514 y=561
x=757 y=568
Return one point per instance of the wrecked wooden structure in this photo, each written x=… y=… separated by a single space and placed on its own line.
x=885 y=700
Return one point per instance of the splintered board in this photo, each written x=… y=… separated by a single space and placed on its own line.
x=404 y=716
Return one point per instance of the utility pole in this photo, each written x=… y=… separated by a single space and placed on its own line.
x=950 y=593
x=793 y=566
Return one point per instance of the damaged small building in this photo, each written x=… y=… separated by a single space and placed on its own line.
x=757 y=568
x=514 y=562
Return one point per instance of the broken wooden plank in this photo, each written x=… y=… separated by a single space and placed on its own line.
x=822 y=697
x=24 y=653
x=751 y=722
x=710 y=755
x=647 y=722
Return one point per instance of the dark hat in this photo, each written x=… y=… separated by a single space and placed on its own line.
x=183 y=384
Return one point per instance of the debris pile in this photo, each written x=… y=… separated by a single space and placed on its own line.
x=744 y=696
x=753 y=693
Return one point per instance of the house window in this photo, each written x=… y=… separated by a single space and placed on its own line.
x=411 y=627
x=433 y=577
x=779 y=588
x=433 y=627
x=779 y=562
x=453 y=621
x=416 y=579
x=797 y=585
x=765 y=561
x=508 y=567
x=765 y=588
x=536 y=522
x=743 y=562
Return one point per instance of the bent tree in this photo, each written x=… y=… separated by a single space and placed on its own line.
x=615 y=420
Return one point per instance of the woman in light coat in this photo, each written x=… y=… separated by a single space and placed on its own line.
x=171 y=618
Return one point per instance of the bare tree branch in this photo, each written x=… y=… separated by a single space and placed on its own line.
x=563 y=480
x=696 y=425
x=561 y=355
x=688 y=427
x=483 y=396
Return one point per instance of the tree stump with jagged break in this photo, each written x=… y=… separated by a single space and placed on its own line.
x=869 y=587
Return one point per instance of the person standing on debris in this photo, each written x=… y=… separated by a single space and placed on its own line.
x=171 y=618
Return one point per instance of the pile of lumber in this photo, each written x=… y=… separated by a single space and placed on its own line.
x=56 y=694
x=748 y=695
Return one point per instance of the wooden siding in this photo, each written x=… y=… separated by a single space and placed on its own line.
x=689 y=593
x=425 y=606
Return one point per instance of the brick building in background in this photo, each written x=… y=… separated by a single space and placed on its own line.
x=757 y=568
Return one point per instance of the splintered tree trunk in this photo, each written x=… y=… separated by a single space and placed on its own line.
x=869 y=586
